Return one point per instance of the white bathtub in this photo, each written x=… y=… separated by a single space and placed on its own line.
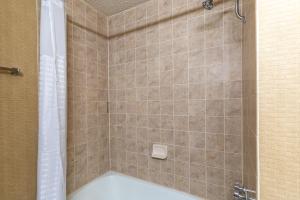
x=115 y=186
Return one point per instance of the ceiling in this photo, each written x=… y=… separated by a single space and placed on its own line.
x=110 y=7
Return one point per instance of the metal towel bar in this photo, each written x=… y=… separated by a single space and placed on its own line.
x=11 y=70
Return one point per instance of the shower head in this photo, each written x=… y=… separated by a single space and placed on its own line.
x=208 y=4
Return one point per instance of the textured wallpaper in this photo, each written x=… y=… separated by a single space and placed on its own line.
x=18 y=100
x=279 y=104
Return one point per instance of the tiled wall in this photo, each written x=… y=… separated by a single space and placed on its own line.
x=249 y=95
x=279 y=104
x=175 y=77
x=87 y=94
x=18 y=100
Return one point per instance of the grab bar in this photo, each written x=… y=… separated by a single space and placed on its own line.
x=11 y=70
x=237 y=11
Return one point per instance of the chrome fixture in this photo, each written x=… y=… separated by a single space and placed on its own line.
x=237 y=11
x=13 y=71
x=242 y=193
x=208 y=4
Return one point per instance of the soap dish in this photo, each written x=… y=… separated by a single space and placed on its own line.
x=159 y=151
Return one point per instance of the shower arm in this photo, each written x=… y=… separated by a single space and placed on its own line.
x=237 y=11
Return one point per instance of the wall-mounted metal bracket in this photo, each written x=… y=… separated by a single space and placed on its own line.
x=13 y=71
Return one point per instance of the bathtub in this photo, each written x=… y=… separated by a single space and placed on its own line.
x=116 y=186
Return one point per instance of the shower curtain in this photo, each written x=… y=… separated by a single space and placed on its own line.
x=51 y=183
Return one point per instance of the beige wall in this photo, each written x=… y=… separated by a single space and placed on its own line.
x=18 y=100
x=249 y=95
x=279 y=104
x=177 y=81
x=87 y=94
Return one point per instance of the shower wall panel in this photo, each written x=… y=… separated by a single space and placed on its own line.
x=249 y=96
x=175 y=78
x=87 y=94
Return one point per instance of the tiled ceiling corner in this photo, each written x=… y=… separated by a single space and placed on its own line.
x=111 y=7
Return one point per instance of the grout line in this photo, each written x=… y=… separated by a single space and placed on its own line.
x=205 y=104
x=224 y=102
x=135 y=92
x=173 y=93
x=86 y=87
x=242 y=105
x=188 y=99
x=108 y=92
x=73 y=71
x=126 y=113
x=159 y=77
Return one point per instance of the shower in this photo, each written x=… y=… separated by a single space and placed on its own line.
x=208 y=4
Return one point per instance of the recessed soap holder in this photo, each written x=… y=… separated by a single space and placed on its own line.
x=160 y=151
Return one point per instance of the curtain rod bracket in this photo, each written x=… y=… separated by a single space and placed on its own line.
x=11 y=70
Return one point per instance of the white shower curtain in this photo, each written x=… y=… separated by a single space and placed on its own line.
x=52 y=102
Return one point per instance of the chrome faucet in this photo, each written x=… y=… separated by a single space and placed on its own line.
x=242 y=193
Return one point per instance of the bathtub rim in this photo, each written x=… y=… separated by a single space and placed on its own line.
x=111 y=173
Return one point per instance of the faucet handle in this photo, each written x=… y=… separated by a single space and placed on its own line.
x=242 y=193
x=238 y=196
x=238 y=187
